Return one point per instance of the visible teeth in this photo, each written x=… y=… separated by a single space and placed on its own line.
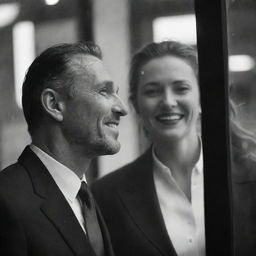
x=169 y=117
x=112 y=125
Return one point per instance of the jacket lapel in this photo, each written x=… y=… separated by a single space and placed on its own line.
x=140 y=200
x=57 y=209
x=54 y=204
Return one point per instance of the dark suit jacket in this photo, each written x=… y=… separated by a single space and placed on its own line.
x=35 y=218
x=244 y=205
x=129 y=204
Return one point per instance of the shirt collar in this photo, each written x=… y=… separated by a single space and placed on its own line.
x=67 y=181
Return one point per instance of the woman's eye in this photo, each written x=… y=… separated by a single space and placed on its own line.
x=151 y=92
x=183 y=89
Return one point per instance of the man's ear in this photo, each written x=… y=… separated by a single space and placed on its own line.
x=52 y=104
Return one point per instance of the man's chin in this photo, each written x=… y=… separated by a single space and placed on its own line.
x=112 y=149
x=109 y=148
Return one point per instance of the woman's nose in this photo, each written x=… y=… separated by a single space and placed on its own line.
x=169 y=98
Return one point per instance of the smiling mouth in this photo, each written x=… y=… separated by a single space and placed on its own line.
x=112 y=124
x=169 y=117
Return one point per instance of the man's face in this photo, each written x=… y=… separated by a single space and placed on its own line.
x=92 y=115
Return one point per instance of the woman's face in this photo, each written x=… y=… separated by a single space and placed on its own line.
x=168 y=99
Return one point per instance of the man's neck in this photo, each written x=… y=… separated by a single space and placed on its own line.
x=76 y=162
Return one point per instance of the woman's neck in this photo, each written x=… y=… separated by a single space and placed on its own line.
x=179 y=156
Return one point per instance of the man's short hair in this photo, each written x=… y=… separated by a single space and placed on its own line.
x=51 y=69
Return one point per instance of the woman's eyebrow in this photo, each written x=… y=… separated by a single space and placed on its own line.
x=151 y=84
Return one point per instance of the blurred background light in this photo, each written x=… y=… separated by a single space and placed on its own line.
x=51 y=2
x=240 y=63
x=23 y=53
x=181 y=28
x=8 y=13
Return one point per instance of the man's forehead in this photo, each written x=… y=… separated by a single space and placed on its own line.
x=87 y=66
x=84 y=60
x=90 y=68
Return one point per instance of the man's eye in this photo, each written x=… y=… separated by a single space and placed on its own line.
x=104 y=91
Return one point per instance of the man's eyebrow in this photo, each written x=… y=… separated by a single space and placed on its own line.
x=109 y=82
x=112 y=85
x=105 y=83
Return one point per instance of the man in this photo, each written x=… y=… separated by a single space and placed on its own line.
x=72 y=110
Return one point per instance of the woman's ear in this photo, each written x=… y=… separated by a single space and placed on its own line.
x=52 y=104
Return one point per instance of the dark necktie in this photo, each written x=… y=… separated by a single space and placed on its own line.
x=90 y=218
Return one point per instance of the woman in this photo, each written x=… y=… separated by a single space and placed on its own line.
x=154 y=205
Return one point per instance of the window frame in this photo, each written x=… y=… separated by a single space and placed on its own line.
x=212 y=46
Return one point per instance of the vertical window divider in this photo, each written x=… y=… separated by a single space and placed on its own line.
x=213 y=80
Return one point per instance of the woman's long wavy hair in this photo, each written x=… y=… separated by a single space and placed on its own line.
x=243 y=141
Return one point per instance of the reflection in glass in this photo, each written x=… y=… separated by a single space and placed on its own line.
x=242 y=79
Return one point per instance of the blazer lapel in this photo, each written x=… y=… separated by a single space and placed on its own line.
x=57 y=209
x=140 y=200
x=54 y=204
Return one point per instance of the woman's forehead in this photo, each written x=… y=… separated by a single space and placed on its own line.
x=166 y=66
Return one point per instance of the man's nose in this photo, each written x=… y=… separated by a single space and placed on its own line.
x=120 y=107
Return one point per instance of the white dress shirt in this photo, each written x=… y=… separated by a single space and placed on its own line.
x=67 y=181
x=184 y=220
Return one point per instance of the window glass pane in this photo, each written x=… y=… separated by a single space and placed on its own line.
x=242 y=81
x=162 y=21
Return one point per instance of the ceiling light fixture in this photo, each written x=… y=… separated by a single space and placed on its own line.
x=241 y=63
x=51 y=2
x=23 y=53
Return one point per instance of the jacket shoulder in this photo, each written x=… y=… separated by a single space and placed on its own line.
x=120 y=177
x=14 y=183
x=116 y=177
x=12 y=172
